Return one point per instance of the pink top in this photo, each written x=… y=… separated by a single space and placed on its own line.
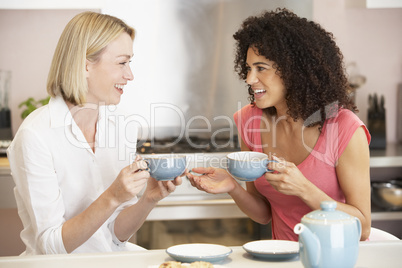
x=318 y=167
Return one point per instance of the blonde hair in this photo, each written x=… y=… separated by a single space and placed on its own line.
x=84 y=38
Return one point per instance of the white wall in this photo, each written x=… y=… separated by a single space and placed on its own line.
x=373 y=39
x=29 y=38
x=370 y=37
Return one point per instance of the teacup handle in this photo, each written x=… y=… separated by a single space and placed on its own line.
x=269 y=161
x=147 y=162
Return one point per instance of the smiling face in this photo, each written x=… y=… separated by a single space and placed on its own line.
x=107 y=77
x=266 y=84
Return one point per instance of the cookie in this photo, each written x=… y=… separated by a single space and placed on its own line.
x=170 y=264
x=201 y=264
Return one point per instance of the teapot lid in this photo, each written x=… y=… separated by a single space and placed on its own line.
x=327 y=214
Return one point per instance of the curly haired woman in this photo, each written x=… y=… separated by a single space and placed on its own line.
x=301 y=116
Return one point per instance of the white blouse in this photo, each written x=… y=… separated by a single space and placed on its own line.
x=57 y=175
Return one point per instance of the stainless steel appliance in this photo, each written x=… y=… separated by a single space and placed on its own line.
x=196 y=92
x=183 y=64
x=5 y=114
x=399 y=114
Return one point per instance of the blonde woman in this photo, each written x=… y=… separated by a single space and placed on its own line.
x=73 y=160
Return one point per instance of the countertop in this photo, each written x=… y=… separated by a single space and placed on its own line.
x=4 y=162
x=4 y=166
x=390 y=157
x=371 y=254
x=226 y=208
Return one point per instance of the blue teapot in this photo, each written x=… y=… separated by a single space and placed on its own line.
x=328 y=238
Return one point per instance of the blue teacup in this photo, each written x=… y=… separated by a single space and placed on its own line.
x=247 y=166
x=166 y=167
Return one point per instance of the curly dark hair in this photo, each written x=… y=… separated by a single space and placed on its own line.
x=307 y=59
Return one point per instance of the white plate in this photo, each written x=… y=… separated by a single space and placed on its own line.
x=272 y=249
x=198 y=252
x=186 y=264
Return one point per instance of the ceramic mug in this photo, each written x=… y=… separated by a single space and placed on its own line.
x=247 y=166
x=165 y=167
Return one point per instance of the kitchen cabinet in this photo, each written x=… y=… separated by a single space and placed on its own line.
x=10 y=224
x=373 y=3
x=385 y=165
x=7 y=199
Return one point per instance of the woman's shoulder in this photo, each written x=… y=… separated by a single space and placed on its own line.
x=345 y=116
x=346 y=122
x=37 y=119
x=31 y=130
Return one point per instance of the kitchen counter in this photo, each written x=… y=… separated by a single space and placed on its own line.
x=4 y=162
x=222 y=206
x=4 y=166
x=371 y=254
x=390 y=157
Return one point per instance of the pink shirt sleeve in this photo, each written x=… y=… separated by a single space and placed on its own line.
x=339 y=130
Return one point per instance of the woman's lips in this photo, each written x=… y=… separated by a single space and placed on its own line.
x=119 y=88
x=258 y=93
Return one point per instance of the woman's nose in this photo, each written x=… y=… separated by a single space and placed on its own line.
x=251 y=78
x=128 y=74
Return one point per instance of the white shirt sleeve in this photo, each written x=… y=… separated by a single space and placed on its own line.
x=112 y=220
x=38 y=188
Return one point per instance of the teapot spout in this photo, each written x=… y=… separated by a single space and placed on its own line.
x=310 y=247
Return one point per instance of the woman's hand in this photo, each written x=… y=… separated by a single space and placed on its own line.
x=287 y=178
x=212 y=180
x=157 y=190
x=130 y=181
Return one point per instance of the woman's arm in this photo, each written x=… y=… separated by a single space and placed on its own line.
x=42 y=200
x=253 y=204
x=131 y=218
x=127 y=185
x=353 y=172
x=216 y=181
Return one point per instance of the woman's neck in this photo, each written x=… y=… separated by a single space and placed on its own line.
x=86 y=118
x=84 y=115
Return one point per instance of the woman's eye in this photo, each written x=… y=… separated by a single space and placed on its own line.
x=125 y=62
x=259 y=68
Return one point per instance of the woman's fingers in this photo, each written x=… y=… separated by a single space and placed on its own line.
x=280 y=165
x=203 y=170
x=139 y=165
x=169 y=186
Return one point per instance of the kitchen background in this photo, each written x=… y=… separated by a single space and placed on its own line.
x=182 y=68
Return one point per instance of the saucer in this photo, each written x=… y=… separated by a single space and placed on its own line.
x=198 y=252
x=273 y=249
